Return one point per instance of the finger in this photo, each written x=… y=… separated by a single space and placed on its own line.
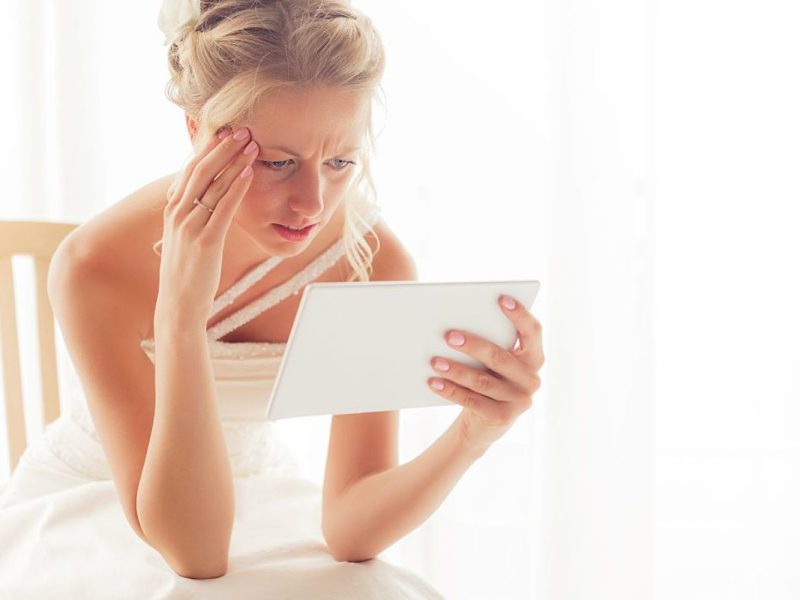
x=492 y=410
x=208 y=168
x=484 y=383
x=178 y=190
x=220 y=220
x=529 y=330
x=217 y=191
x=501 y=361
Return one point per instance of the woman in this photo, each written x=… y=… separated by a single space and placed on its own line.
x=176 y=344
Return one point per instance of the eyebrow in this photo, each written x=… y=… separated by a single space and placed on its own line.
x=297 y=155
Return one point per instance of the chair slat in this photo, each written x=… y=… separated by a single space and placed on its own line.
x=12 y=376
x=47 y=345
x=38 y=239
x=35 y=238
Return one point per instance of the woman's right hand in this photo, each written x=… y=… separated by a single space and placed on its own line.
x=193 y=238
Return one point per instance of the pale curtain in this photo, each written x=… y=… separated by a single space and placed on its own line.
x=639 y=159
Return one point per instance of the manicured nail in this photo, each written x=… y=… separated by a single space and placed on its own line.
x=456 y=339
x=441 y=364
x=241 y=134
x=224 y=133
x=508 y=303
x=437 y=385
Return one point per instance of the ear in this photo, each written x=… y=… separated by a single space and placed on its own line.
x=191 y=126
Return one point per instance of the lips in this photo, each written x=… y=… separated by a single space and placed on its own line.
x=295 y=226
x=291 y=235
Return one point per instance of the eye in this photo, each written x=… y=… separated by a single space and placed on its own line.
x=275 y=165
x=341 y=164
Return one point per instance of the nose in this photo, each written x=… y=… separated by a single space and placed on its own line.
x=306 y=194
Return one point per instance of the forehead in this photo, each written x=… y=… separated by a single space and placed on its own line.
x=307 y=118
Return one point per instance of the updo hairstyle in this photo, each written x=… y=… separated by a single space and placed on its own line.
x=224 y=62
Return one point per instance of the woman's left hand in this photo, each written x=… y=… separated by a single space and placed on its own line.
x=492 y=399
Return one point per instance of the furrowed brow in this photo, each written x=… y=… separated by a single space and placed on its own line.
x=297 y=154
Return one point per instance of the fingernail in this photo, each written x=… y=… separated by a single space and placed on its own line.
x=224 y=133
x=437 y=385
x=251 y=147
x=508 y=303
x=456 y=339
x=441 y=364
x=241 y=134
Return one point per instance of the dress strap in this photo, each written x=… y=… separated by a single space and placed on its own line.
x=256 y=273
x=293 y=285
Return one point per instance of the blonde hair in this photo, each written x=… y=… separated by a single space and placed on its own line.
x=237 y=51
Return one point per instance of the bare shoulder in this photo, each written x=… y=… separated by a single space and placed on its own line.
x=392 y=261
x=116 y=229
x=114 y=247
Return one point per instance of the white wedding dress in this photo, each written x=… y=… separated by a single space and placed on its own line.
x=63 y=533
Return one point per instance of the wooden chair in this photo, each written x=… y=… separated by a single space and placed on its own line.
x=38 y=239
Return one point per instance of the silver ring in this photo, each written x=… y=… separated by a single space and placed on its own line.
x=197 y=201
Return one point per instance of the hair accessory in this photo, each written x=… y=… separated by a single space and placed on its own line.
x=197 y=201
x=174 y=14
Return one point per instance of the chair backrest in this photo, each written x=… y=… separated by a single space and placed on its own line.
x=38 y=239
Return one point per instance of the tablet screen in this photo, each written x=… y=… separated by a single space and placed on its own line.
x=366 y=346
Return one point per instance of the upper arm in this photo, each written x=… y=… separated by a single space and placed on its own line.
x=97 y=322
x=365 y=443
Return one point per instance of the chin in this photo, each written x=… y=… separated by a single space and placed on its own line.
x=274 y=248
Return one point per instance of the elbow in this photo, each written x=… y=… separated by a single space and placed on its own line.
x=347 y=552
x=343 y=545
x=194 y=565
x=345 y=556
x=198 y=571
x=187 y=557
x=202 y=574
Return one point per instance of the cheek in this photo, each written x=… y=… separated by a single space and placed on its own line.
x=264 y=197
x=260 y=186
x=269 y=191
x=257 y=203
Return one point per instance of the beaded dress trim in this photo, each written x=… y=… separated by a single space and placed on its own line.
x=235 y=350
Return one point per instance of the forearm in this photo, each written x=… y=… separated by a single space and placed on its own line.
x=185 y=499
x=379 y=509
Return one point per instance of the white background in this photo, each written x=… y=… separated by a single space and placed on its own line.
x=639 y=159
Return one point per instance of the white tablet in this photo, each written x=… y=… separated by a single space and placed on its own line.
x=366 y=346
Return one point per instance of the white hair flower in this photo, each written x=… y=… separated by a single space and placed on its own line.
x=175 y=13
